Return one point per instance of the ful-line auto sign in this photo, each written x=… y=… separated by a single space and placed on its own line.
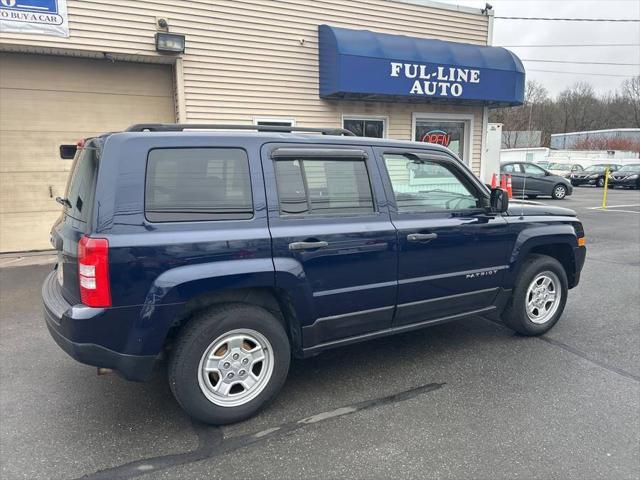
x=439 y=81
x=45 y=17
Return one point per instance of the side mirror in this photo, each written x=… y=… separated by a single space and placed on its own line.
x=67 y=152
x=499 y=200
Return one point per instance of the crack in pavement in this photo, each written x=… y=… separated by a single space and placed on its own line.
x=586 y=356
x=575 y=351
x=211 y=442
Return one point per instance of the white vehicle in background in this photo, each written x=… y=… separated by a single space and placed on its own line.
x=542 y=164
x=564 y=169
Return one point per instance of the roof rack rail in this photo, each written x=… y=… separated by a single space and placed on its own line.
x=179 y=127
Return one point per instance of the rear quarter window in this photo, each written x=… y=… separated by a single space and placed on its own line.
x=197 y=184
x=82 y=183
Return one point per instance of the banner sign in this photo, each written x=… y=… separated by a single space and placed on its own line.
x=359 y=64
x=46 y=17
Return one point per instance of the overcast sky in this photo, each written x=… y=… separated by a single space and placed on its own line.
x=518 y=32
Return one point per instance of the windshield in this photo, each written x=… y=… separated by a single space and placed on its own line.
x=634 y=167
x=596 y=168
x=559 y=166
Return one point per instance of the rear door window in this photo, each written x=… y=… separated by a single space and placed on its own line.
x=197 y=184
x=82 y=183
x=323 y=187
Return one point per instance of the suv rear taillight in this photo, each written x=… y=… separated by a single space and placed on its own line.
x=93 y=272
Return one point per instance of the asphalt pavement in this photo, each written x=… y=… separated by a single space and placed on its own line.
x=463 y=400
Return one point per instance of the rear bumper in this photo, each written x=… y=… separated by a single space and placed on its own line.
x=66 y=322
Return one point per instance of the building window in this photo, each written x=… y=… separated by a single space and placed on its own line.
x=191 y=184
x=275 y=121
x=365 y=127
x=323 y=187
x=450 y=130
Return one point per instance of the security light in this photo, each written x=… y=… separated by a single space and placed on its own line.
x=169 y=43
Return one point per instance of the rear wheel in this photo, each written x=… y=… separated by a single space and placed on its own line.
x=539 y=296
x=559 y=192
x=229 y=362
x=600 y=182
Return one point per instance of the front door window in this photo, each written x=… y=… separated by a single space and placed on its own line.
x=450 y=134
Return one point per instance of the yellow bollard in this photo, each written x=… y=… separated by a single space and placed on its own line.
x=606 y=186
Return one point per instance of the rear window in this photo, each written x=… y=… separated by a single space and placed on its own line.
x=323 y=187
x=197 y=184
x=82 y=183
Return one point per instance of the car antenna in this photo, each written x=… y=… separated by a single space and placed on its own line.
x=524 y=186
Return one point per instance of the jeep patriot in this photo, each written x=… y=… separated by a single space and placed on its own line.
x=226 y=251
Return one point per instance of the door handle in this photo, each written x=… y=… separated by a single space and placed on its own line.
x=307 y=245
x=421 y=237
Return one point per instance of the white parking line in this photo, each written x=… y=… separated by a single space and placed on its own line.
x=615 y=208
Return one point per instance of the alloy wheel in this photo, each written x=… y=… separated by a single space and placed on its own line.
x=543 y=297
x=236 y=367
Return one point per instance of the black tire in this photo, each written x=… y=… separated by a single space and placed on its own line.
x=559 y=191
x=515 y=314
x=600 y=182
x=196 y=339
x=575 y=184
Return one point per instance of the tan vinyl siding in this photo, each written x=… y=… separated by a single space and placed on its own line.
x=248 y=58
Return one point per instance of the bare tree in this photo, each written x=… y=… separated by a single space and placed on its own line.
x=577 y=108
x=631 y=93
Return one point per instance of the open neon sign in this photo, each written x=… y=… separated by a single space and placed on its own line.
x=439 y=137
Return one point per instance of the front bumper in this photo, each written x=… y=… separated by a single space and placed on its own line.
x=627 y=182
x=583 y=181
x=580 y=255
x=66 y=322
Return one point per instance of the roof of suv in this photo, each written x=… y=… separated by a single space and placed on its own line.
x=266 y=134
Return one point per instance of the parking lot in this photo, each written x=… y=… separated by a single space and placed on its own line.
x=463 y=400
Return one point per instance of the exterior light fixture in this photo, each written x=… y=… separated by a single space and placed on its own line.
x=169 y=43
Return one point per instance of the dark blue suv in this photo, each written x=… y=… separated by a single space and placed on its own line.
x=226 y=252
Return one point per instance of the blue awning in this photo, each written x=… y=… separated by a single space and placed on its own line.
x=360 y=64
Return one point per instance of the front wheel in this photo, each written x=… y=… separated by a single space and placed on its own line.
x=539 y=296
x=229 y=362
x=559 y=192
x=600 y=182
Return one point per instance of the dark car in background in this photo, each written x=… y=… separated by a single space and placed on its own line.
x=593 y=174
x=628 y=176
x=532 y=181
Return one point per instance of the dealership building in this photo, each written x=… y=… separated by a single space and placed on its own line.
x=69 y=69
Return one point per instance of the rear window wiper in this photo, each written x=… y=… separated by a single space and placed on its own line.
x=63 y=201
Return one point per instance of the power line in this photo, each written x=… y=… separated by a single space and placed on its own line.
x=552 y=19
x=574 y=45
x=581 y=63
x=580 y=73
